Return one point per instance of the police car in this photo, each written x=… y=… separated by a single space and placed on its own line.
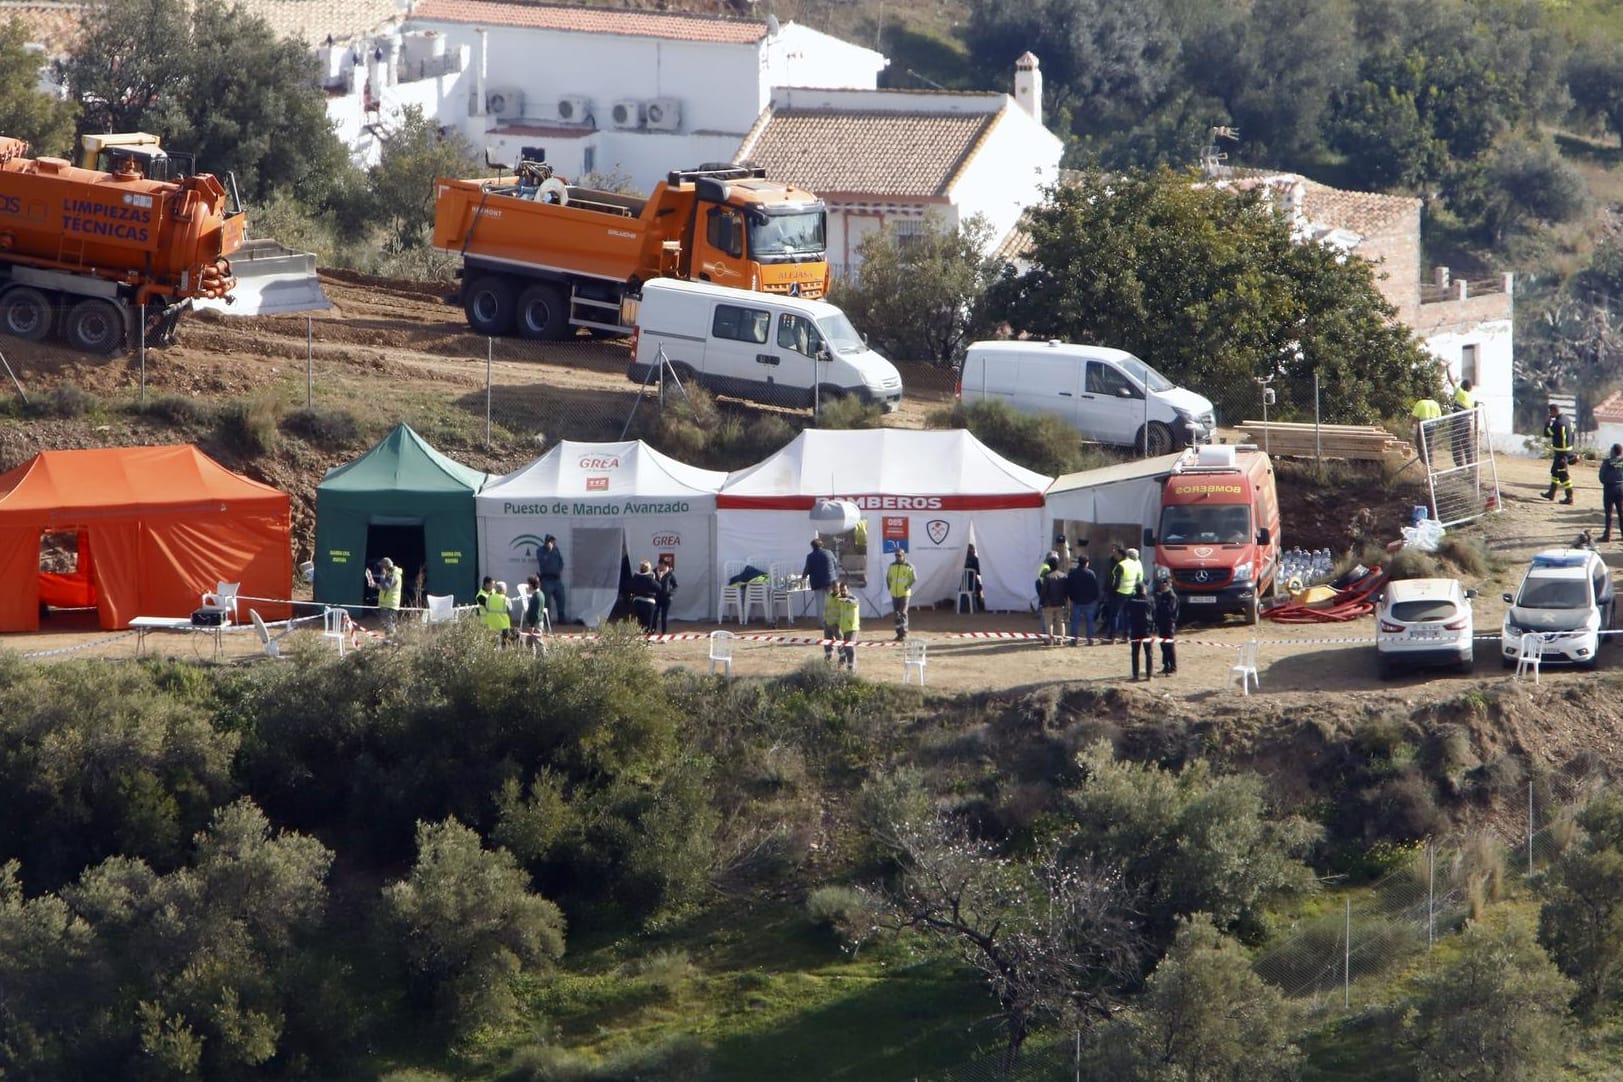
x=1423 y=622
x=1566 y=598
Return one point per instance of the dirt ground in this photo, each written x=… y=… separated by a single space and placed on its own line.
x=407 y=333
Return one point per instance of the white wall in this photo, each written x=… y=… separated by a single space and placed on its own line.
x=1008 y=171
x=801 y=56
x=1495 y=385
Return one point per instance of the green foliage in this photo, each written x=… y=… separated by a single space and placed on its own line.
x=1581 y=923
x=65 y=401
x=1493 y=1009
x=1412 y=563
x=95 y=761
x=1190 y=841
x=467 y=925
x=850 y=914
x=415 y=153
x=44 y=121
x=922 y=299
x=1043 y=442
x=1208 y=286
x=847 y=411
x=249 y=426
x=1205 y=1016
x=178 y=410
x=1522 y=180
x=332 y=430
x=1595 y=81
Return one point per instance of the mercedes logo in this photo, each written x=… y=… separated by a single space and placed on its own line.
x=1202 y=575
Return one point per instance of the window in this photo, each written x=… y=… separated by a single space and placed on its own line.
x=588 y=160
x=1103 y=379
x=800 y=335
x=741 y=324
x=1468 y=364
x=725 y=231
x=910 y=232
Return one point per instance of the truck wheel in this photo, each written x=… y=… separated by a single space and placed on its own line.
x=543 y=314
x=488 y=301
x=26 y=313
x=1155 y=438
x=1253 y=609
x=95 y=326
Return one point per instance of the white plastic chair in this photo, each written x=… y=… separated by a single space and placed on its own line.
x=784 y=579
x=913 y=659
x=721 y=651
x=224 y=598
x=335 y=625
x=1530 y=656
x=967 y=585
x=731 y=596
x=270 y=642
x=1244 y=671
x=441 y=609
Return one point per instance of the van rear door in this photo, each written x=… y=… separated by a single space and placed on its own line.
x=1111 y=406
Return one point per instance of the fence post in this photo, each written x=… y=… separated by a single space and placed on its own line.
x=1529 y=827
x=1431 y=894
x=1346 y=962
x=1318 y=443
x=309 y=362
x=142 y=350
x=490 y=364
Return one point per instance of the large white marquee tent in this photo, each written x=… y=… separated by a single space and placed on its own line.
x=602 y=500
x=931 y=492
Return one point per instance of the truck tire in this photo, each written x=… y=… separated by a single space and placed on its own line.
x=94 y=326
x=1253 y=609
x=27 y=314
x=488 y=301
x=1155 y=439
x=543 y=313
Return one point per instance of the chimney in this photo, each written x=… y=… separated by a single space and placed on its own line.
x=1028 y=86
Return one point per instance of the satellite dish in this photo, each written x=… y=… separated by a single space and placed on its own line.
x=835 y=516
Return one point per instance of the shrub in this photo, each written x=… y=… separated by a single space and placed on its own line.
x=848 y=411
x=248 y=425
x=1043 y=442
x=1411 y=563
x=66 y=401
x=852 y=915
x=666 y=971
x=1468 y=554
x=330 y=429
x=177 y=410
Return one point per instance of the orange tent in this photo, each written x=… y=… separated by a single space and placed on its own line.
x=156 y=527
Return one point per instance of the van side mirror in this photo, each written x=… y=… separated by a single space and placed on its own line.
x=1264 y=537
x=1123 y=392
x=1470 y=595
x=823 y=354
x=1505 y=598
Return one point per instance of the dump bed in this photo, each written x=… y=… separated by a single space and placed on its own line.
x=599 y=234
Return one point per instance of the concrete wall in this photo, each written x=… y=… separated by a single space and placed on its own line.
x=1007 y=173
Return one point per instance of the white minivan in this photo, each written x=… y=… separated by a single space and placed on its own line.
x=1108 y=395
x=765 y=347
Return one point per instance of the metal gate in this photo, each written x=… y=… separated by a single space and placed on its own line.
x=1461 y=477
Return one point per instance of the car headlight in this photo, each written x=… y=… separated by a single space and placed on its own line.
x=1242 y=573
x=1189 y=420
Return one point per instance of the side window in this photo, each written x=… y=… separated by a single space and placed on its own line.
x=741 y=324
x=1104 y=379
x=799 y=334
x=725 y=231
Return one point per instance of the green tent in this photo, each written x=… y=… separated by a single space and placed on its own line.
x=404 y=500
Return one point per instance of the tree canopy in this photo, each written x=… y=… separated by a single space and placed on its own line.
x=26 y=112
x=1209 y=286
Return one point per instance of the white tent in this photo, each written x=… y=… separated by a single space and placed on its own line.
x=929 y=492
x=602 y=500
x=1110 y=504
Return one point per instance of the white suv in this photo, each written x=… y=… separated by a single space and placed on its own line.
x=1565 y=597
x=1423 y=622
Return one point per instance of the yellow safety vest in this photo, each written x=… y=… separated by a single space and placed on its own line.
x=900 y=578
x=497 y=618
x=1465 y=400
x=1427 y=409
x=850 y=610
x=389 y=596
x=1132 y=573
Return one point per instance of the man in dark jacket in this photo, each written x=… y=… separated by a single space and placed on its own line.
x=1109 y=600
x=1082 y=590
x=1051 y=593
x=821 y=571
x=1140 y=628
x=665 y=574
x=550 y=570
x=1611 y=488
x=1166 y=624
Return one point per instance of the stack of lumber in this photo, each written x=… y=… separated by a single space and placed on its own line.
x=1298 y=440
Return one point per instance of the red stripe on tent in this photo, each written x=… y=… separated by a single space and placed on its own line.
x=918 y=504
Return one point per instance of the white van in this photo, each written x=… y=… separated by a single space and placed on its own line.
x=762 y=346
x=1108 y=395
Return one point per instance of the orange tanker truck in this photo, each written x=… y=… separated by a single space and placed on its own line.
x=93 y=255
x=541 y=257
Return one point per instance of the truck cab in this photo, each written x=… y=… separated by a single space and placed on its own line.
x=756 y=235
x=1218 y=534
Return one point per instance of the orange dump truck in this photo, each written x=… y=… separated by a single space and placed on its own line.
x=541 y=258
x=91 y=254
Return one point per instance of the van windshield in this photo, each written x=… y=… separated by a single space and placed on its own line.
x=840 y=335
x=1146 y=375
x=795 y=233
x=1210 y=524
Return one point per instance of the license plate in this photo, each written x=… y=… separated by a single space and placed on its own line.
x=1201 y=599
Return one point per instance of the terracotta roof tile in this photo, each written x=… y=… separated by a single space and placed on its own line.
x=1610 y=408
x=312 y=20
x=1364 y=213
x=646 y=24
x=55 y=26
x=879 y=153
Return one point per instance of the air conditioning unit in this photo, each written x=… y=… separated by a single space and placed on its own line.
x=573 y=109
x=627 y=113
x=665 y=114
x=504 y=103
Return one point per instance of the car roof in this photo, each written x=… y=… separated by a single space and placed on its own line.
x=1423 y=589
x=1563 y=563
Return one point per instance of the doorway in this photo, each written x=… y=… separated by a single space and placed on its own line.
x=402 y=542
x=66 y=586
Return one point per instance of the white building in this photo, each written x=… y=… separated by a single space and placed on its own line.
x=632 y=94
x=898 y=157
